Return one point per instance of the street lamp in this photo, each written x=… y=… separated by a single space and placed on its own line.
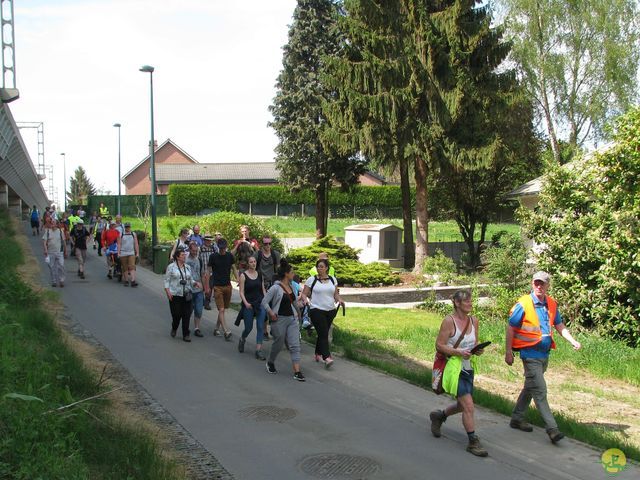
x=64 y=172
x=152 y=170
x=117 y=125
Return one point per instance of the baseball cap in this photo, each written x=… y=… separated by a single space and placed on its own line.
x=222 y=243
x=207 y=237
x=127 y=224
x=542 y=276
x=80 y=222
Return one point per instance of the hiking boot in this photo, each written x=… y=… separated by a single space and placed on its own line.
x=216 y=332
x=437 y=419
x=227 y=336
x=260 y=355
x=173 y=332
x=271 y=368
x=198 y=333
x=555 y=435
x=298 y=376
x=134 y=284
x=82 y=275
x=186 y=338
x=476 y=448
x=521 y=425
x=241 y=345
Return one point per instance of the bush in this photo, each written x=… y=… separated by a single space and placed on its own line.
x=229 y=223
x=587 y=221
x=344 y=259
x=506 y=262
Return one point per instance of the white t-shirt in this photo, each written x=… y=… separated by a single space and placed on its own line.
x=322 y=296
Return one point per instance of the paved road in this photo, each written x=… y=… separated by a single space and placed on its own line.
x=350 y=415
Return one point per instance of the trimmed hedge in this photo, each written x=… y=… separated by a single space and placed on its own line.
x=191 y=199
x=129 y=204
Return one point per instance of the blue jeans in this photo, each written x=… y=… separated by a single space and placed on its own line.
x=197 y=303
x=248 y=315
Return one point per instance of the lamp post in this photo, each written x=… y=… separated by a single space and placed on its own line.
x=152 y=170
x=64 y=172
x=117 y=125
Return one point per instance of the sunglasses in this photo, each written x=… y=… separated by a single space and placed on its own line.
x=266 y=243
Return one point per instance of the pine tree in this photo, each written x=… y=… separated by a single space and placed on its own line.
x=372 y=110
x=80 y=188
x=301 y=157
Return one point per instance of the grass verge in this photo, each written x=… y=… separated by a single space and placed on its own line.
x=400 y=342
x=39 y=373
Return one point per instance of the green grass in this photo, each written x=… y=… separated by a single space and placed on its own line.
x=85 y=441
x=398 y=341
x=292 y=227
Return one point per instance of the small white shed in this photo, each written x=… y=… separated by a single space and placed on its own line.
x=377 y=243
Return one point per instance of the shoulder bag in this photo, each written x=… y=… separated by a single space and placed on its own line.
x=441 y=361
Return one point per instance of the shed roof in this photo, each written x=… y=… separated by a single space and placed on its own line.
x=261 y=172
x=371 y=227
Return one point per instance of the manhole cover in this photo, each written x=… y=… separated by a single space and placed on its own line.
x=337 y=465
x=268 y=413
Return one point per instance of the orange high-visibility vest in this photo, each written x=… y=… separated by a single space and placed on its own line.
x=529 y=333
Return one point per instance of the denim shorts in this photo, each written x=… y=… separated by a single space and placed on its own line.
x=465 y=383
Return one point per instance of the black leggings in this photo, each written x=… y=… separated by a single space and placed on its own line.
x=322 y=320
x=180 y=311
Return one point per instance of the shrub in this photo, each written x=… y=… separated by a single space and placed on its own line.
x=440 y=267
x=229 y=223
x=587 y=220
x=344 y=259
x=506 y=262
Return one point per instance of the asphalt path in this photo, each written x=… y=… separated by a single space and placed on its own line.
x=350 y=422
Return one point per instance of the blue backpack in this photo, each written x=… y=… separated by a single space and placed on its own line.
x=34 y=215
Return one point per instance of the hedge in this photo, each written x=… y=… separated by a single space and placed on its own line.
x=192 y=199
x=129 y=204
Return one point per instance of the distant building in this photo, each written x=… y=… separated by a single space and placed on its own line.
x=175 y=166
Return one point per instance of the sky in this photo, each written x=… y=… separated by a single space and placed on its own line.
x=216 y=64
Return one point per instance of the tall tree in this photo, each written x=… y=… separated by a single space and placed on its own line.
x=302 y=159
x=373 y=110
x=579 y=61
x=475 y=196
x=80 y=188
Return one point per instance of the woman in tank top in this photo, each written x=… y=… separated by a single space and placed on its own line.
x=252 y=292
x=454 y=326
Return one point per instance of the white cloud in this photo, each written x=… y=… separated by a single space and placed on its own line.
x=216 y=65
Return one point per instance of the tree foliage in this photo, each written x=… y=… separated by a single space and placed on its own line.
x=588 y=224
x=579 y=60
x=301 y=157
x=80 y=188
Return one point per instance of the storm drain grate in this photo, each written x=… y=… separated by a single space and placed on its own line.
x=268 y=413
x=337 y=465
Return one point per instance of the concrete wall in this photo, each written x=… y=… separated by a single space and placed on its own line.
x=20 y=186
x=139 y=183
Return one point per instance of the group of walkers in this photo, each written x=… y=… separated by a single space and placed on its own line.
x=67 y=234
x=273 y=299
x=277 y=303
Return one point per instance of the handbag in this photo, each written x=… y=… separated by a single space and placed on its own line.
x=440 y=363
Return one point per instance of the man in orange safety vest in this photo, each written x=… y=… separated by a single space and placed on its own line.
x=530 y=332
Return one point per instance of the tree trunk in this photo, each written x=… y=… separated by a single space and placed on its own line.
x=321 y=211
x=407 y=217
x=422 y=214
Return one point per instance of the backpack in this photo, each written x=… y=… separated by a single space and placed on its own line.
x=315 y=280
x=34 y=215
